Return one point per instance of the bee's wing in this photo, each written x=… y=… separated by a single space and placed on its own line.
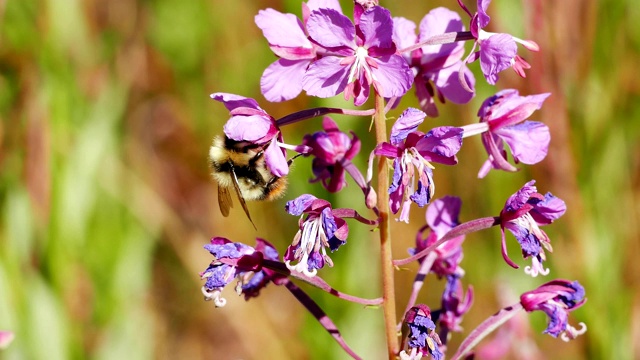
x=224 y=200
x=241 y=198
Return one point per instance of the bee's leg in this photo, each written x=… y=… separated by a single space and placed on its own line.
x=290 y=161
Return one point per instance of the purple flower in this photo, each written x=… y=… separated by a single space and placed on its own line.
x=497 y=51
x=332 y=150
x=501 y=120
x=249 y=123
x=423 y=340
x=237 y=261
x=436 y=66
x=321 y=228
x=523 y=214
x=455 y=303
x=356 y=56
x=442 y=216
x=287 y=37
x=557 y=298
x=411 y=149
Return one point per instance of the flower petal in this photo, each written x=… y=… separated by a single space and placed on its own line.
x=325 y=77
x=529 y=141
x=331 y=29
x=247 y=128
x=407 y=122
x=448 y=84
x=282 y=80
x=392 y=77
x=377 y=27
x=275 y=158
x=404 y=32
x=232 y=101
x=442 y=214
x=298 y=205
x=439 y=21
x=282 y=29
x=496 y=54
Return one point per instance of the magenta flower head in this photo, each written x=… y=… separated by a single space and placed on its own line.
x=288 y=39
x=412 y=153
x=557 y=298
x=252 y=125
x=436 y=66
x=455 y=303
x=501 y=120
x=237 y=261
x=356 y=56
x=423 y=340
x=497 y=51
x=332 y=150
x=322 y=228
x=442 y=216
x=523 y=214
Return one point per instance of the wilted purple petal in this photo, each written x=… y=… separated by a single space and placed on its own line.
x=298 y=205
x=271 y=84
x=549 y=209
x=407 y=123
x=441 y=144
x=528 y=141
x=496 y=54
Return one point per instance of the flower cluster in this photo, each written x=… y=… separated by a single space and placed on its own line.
x=373 y=54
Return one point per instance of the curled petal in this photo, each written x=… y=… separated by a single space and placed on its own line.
x=232 y=101
x=407 y=122
x=496 y=54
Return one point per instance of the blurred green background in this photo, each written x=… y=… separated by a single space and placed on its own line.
x=106 y=200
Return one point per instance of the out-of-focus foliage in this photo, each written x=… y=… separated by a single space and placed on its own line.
x=106 y=201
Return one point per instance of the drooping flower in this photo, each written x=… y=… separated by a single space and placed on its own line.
x=332 y=150
x=455 y=303
x=237 y=261
x=288 y=39
x=523 y=214
x=356 y=56
x=249 y=123
x=411 y=149
x=321 y=228
x=442 y=216
x=423 y=340
x=436 y=66
x=498 y=51
x=502 y=121
x=557 y=298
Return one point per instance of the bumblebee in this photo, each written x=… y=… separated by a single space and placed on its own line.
x=240 y=165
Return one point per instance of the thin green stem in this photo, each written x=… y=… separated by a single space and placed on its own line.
x=386 y=256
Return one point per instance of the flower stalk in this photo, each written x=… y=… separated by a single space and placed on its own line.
x=386 y=256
